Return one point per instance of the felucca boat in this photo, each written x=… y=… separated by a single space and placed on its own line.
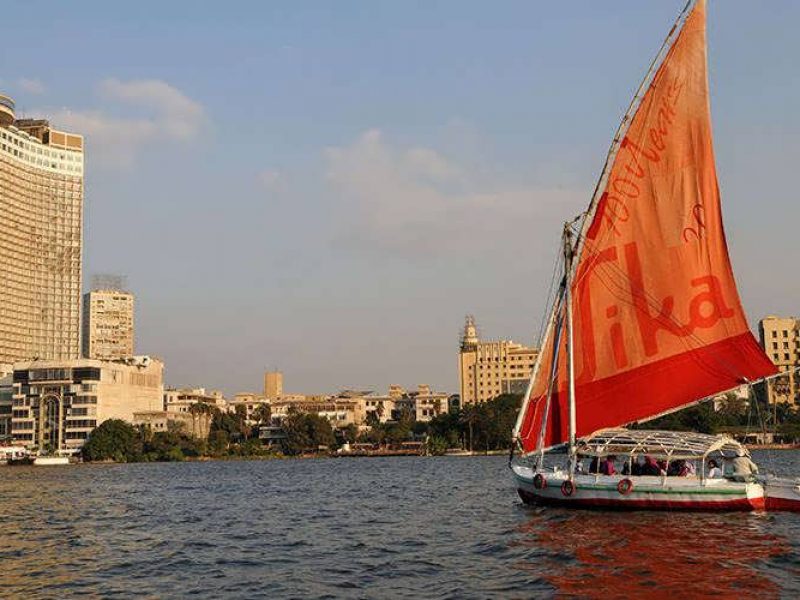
x=647 y=318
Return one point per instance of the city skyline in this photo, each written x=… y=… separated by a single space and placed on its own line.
x=273 y=208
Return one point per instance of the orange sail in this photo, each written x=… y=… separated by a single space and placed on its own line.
x=658 y=323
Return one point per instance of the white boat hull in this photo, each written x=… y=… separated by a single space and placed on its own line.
x=782 y=494
x=49 y=461
x=637 y=492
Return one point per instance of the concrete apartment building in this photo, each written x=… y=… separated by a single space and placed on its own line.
x=108 y=323
x=180 y=400
x=56 y=404
x=250 y=403
x=187 y=409
x=489 y=369
x=41 y=234
x=340 y=411
x=194 y=424
x=780 y=339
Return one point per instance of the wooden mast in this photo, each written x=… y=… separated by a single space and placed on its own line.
x=568 y=257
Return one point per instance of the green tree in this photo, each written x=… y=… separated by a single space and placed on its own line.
x=218 y=443
x=113 y=440
x=397 y=433
x=350 y=433
x=306 y=431
x=263 y=414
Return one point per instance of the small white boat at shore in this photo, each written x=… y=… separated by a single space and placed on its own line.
x=50 y=461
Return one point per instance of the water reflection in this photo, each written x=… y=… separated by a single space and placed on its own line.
x=607 y=554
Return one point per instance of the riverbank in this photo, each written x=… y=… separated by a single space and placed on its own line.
x=772 y=446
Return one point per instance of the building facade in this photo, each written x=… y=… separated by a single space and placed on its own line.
x=196 y=424
x=340 y=411
x=6 y=406
x=250 y=405
x=780 y=339
x=488 y=369
x=108 y=324
x=56 y=404
x=273 y=385
x=41 y=235
x=181 y=400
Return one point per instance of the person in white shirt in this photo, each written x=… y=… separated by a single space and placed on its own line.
x=714 y=472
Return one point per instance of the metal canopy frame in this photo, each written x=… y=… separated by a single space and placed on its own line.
x=663 y=444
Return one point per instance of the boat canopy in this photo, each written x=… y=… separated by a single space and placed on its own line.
x=663 y=444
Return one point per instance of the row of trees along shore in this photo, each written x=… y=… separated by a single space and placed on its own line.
x=482 y=427
x=479 y=428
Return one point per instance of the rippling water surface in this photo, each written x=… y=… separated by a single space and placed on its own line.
x=449 y=527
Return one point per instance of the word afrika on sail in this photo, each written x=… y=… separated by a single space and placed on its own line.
x=658 y=320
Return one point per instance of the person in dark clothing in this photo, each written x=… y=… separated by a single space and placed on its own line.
x=650 y=466
x=676 y=467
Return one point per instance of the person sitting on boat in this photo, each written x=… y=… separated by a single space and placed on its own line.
x=650 y=466
x=744 y=469
x=607 y=465
x=593 y=466
x=675 y=468
x=688 y=469
x=714 y=472
x=631 y=467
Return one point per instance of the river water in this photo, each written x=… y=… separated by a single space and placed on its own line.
x=449 y=527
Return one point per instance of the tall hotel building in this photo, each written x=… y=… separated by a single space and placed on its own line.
x=488 y=369
x=41 y=225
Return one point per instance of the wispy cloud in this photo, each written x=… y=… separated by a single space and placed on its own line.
x=270 y=179
x=176 y=114
x=412 y=201
x=130 y=115
x=31 y=86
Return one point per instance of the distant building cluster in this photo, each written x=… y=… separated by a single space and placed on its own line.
x=68 y=362
x=780 y=338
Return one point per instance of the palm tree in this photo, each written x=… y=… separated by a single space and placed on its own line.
x=262 y=415
x=469 y=416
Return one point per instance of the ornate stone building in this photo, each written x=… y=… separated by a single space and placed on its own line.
x=488 y=369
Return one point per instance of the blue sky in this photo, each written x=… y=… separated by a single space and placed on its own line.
x=328 y=187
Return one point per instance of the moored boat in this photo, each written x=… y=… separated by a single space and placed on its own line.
x=630 y=489
x=782 y=493
x=647 y=318
x=50 y=461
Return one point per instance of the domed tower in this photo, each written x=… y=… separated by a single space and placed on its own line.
x=6 y=111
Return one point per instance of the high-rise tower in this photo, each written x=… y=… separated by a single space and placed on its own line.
x=108 y=320
x=41 y=235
